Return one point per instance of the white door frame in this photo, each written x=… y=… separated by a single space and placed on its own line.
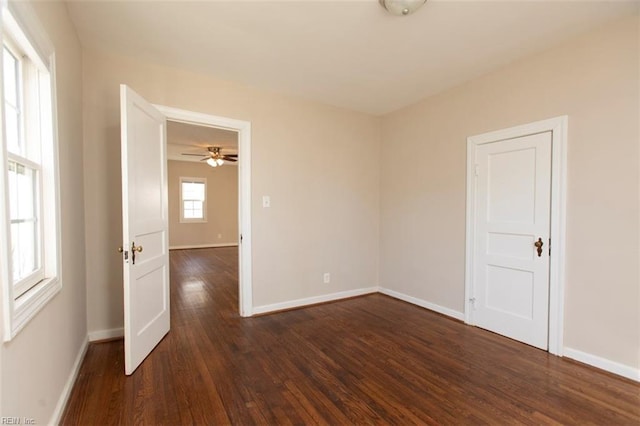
x=244 y=184
x=558 y=128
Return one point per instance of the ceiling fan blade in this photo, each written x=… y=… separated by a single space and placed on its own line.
x=229 y=158
x=195 y=155
x=230 y=155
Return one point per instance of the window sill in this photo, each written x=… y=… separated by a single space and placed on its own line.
x=193 y=220
x=30 y=303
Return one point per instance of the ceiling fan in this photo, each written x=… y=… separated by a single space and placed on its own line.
x=214 y=157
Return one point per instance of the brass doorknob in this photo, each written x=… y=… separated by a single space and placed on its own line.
x=134 y=249
x=538 y=244
x=120 y=249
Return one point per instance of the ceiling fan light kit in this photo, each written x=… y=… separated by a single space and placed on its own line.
x=215 y=162
x=401 y=7
x=214 y=157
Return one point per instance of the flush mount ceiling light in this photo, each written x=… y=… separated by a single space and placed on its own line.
x=402 y=7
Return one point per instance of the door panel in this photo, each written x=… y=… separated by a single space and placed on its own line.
x=511 y=186
x=513 y=202
x=145 y=224
x=510 y=245
x=510 y=291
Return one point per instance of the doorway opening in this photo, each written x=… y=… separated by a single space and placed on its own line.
x=192 y=137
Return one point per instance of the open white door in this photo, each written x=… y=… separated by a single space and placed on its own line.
x=145 y=225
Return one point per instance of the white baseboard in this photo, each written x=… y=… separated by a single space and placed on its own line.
x=313 y=300
x=113 y=333
x=68 y=386
x=423 y=303
x=603 y=364
x=198 y=246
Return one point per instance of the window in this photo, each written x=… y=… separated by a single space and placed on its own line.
x=29 y=250
x=193 y=199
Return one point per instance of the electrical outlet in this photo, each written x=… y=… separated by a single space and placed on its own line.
x=266 y=201
x=326 y=278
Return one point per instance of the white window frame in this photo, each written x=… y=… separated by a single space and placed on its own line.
x=28 y=282
x=19 y=306
x=203 y=181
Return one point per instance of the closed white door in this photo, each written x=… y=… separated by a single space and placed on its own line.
x=511 y=247
x=145 y=225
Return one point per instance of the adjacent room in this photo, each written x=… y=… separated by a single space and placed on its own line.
x=320 y=212
x=202 y=190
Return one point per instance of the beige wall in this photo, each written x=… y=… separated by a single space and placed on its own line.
x=322 y=168
x=221 y=226
x=593 y=80
x=319 y=165
x=37 y=363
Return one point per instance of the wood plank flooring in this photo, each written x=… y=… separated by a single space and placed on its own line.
x=367 y=360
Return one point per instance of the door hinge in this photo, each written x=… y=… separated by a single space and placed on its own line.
x=240 y=238
x=549 y=246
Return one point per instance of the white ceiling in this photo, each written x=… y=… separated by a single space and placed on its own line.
x=348 y=53
x=183 y=138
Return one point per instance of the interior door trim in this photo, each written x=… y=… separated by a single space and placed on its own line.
x=558 y=128
x=244 y=188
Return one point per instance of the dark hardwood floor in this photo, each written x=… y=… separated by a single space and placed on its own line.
x=367 y=360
